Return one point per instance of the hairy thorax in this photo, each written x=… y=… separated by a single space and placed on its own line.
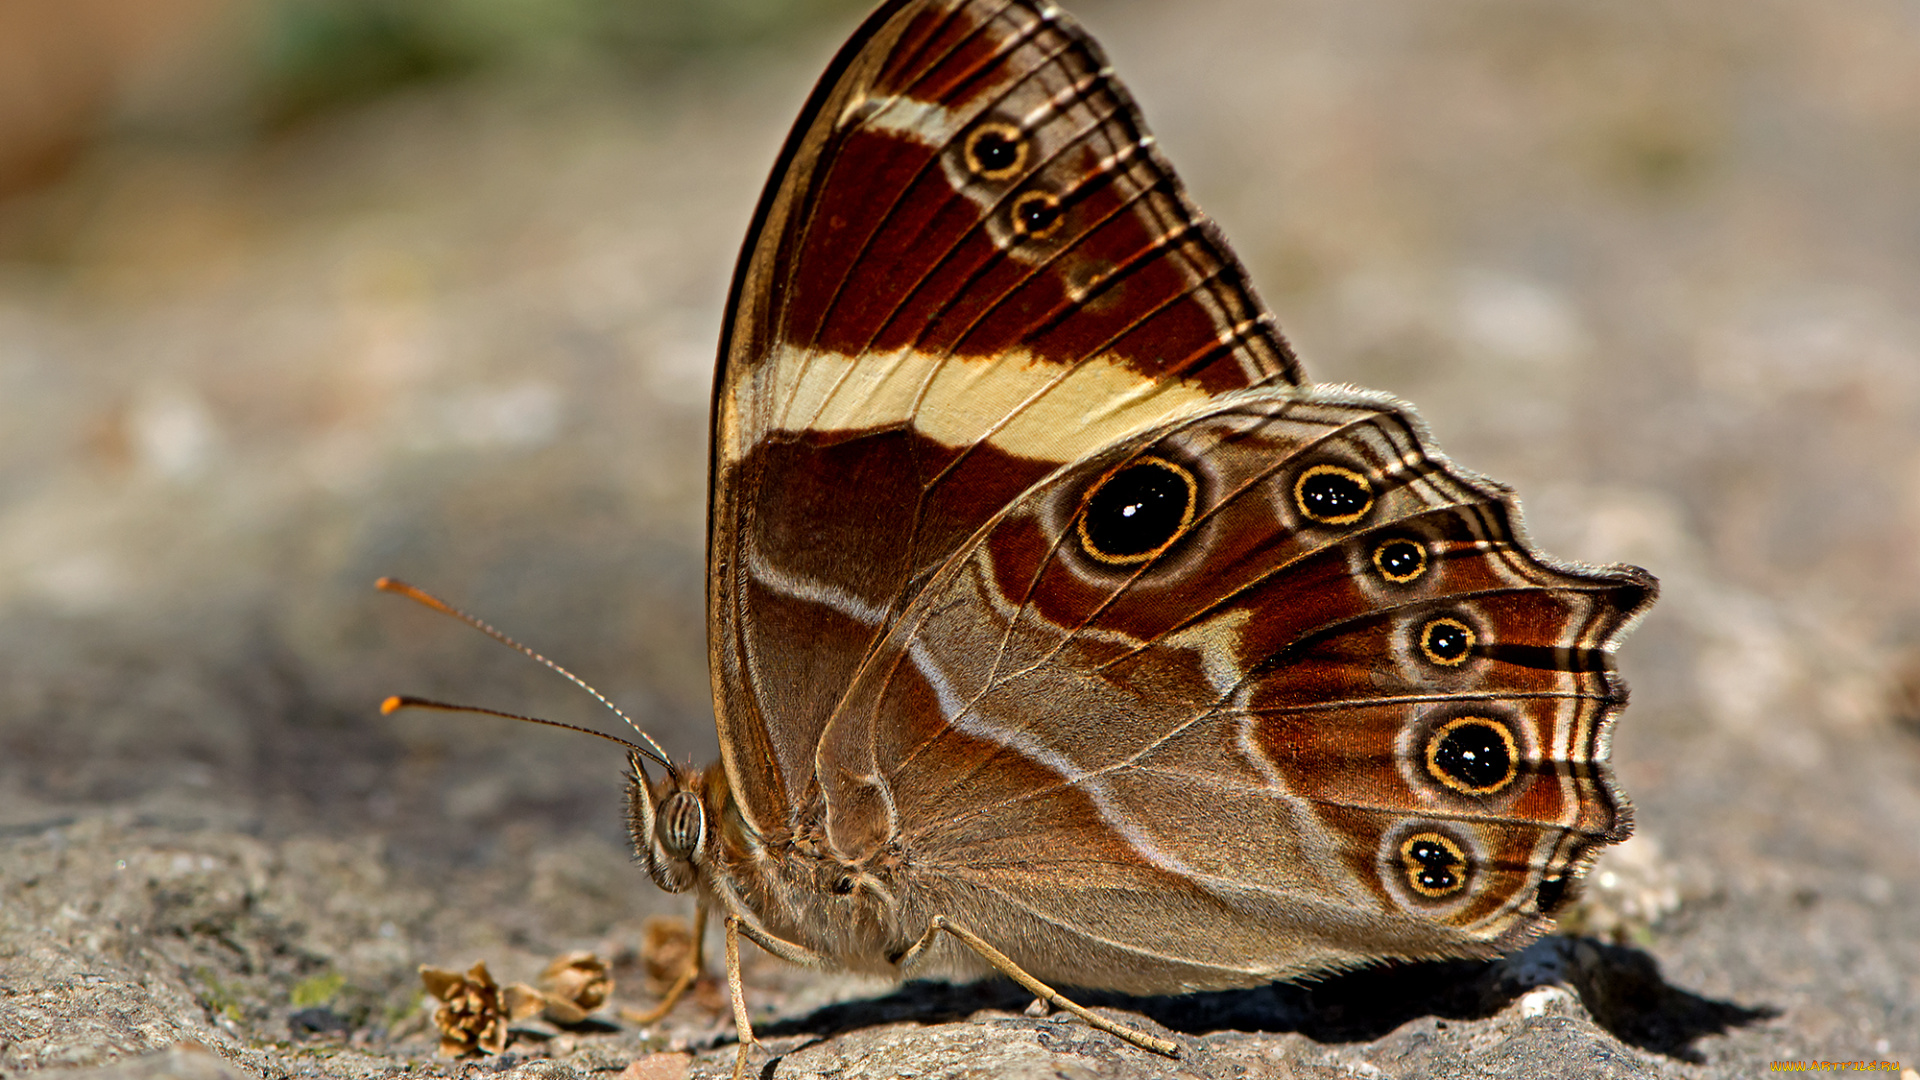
x=855 y=910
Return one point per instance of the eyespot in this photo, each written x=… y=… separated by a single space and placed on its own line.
x=1553 y=893
x=1400 y=560
x=996 y=151
x=1474 y=755
x=1036 y=215
x=1435 y=866
x=1446 y=641
x=843 y=886
x=1333 y=495
x=1138 y=511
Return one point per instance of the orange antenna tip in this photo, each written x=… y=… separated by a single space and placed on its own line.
x=421 y=596
x=399 y=701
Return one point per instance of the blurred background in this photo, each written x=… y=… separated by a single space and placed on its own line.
x=296 y=293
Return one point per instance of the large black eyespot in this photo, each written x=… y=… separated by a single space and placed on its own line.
x=1333 y=495
x=1474 y=755
x=996 y=151
x=1138 y=511
x=1036 y=214
x=1435 y=866
x=1446 y=641
x=1400 y=560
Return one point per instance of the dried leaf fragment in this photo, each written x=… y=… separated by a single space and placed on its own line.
x=666 y=947
x=576 y=983
x=475 y=1010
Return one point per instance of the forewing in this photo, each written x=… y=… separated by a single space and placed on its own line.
x=970 y=267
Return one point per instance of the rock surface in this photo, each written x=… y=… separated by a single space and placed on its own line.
x=1654 y=265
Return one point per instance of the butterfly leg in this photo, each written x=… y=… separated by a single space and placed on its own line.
x=775 y=946
x=738 y=991
x=1034 y=986
x=686 y=979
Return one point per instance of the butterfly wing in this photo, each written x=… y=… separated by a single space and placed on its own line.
x=969 y=267
x=1268 y=689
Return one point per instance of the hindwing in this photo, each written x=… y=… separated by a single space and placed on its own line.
x=1266 y=689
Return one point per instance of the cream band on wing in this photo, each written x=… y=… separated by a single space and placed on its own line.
x=923 y=121
x=1017 y=403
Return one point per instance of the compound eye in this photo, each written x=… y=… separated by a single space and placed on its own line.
x=681 y=825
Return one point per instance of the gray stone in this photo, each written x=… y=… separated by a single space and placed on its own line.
x=1652 y=265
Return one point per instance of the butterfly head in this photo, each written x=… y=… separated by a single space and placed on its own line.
x=668 y=824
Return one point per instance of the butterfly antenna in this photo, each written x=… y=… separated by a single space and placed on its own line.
x=427 y=599
x=402 y=701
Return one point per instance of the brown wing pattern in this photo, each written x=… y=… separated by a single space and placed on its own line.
x=1271 y=688
x=970 y=267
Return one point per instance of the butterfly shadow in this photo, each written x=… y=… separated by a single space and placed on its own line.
x=1620 y=987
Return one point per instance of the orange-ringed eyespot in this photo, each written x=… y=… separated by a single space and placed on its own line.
x=1333 y=495
x=1400 y=560
x=1137 y=511
x=996 y=151
x=1474 y=755
x=1435 y=866
x=1036 y=215
x=1446 y=641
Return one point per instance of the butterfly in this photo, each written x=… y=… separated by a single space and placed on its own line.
x=1058 y=626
